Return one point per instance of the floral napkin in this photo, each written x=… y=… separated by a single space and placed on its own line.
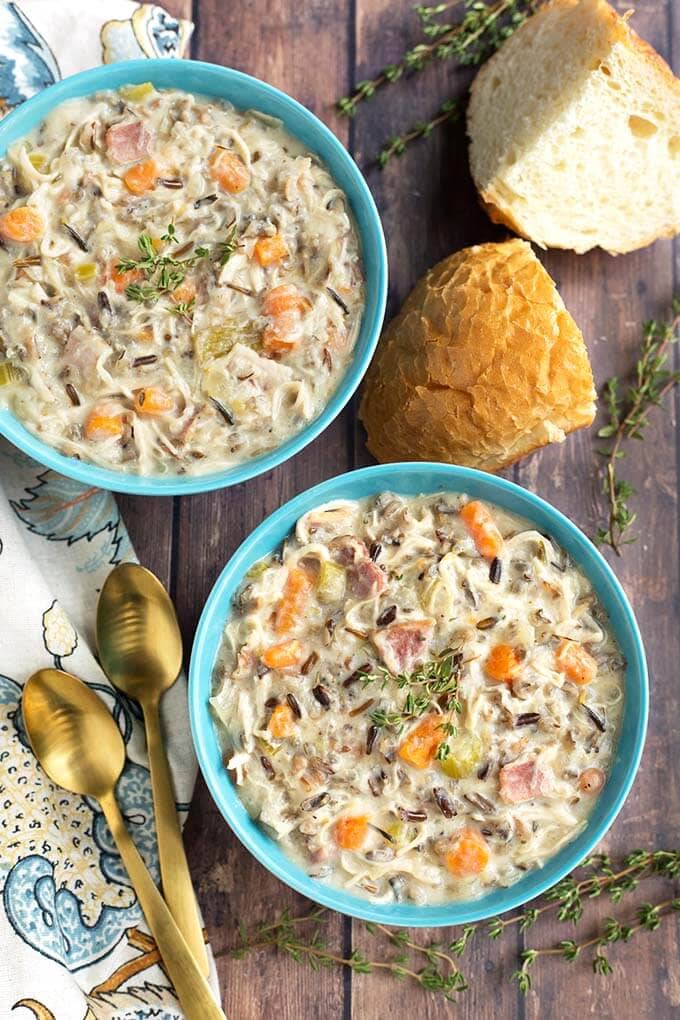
x=73 y=942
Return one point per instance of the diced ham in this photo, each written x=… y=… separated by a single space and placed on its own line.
x=364 y=578
x=129 y=141
x=403 y=645
x=522 y=781
x=347 y=550
x=82 y=350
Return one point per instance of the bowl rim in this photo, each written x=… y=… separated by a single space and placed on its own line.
x=203 y=729
x=372 y=242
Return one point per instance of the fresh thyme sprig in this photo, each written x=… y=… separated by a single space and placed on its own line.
x=164 y=272
x=628 y=416
x=301 y=937
x=293 y=937
x=451 y=110
x=483 y=26
x=436 y=680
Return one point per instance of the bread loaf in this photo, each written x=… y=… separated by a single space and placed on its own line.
x=482 y=365
x=574 y=129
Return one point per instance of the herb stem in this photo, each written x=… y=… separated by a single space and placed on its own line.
x=628 y=421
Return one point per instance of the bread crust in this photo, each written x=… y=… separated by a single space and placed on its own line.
x=618 y=31
x=482 y=365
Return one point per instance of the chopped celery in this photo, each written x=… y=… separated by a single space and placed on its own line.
x=85 y=271
x=219 y=340
x=257 y=570
x=9 y=374
x=137 y=93
x=331 y=584
x=466 y=751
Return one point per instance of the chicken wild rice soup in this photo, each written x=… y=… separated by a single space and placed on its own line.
x=419 y=698
x=181 y=283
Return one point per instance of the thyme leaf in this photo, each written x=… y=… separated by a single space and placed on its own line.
x=436 y=680
x=164 y=272
x=302 y=939
x=482 y=27
x=628 y=417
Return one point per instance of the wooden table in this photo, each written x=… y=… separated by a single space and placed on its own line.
x=315 y=50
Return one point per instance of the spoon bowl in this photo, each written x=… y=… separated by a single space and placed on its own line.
x=140 y=648
x=72 y=734
x=80 y=748
x=138 y=637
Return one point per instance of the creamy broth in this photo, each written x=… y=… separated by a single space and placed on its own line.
x=181 y=283
x=419 y=698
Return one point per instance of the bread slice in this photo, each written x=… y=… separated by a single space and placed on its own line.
x=574 y=129
x=482 y=365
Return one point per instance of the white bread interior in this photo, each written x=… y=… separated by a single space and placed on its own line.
x=574 y=129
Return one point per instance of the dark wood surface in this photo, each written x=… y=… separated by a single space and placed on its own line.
x=315 y=50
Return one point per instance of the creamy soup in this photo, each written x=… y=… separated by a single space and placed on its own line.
x=419 y=698
x=181 y=283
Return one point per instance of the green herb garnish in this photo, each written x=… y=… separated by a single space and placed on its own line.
x=483 y=27
x=628 y=417
x=302 y=939
x=435 y=680
x=164 y=273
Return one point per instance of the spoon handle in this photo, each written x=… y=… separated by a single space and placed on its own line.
x=192 y=989
x=176 y=880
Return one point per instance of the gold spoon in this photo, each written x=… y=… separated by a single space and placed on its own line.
x=140 y=648
x=80 y=747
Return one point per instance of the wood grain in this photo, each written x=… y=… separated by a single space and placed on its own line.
x=314 y=51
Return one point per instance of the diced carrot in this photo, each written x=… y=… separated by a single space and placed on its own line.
x=229 y=170
x=102 y=424
x=575 y=662
x=268 y=250
x=296 y=591
x=282 y=722
x=152 y=400
x=469 y=856
x=275 y=343
x=482 y=527
x=145 y=335
x=503 y=663
x=185 y=292
x=284 y=298
x=420 y=746
x=350 y=832
x=21 y=225
x=286 y=653
x=121 y=280
x=141 y=177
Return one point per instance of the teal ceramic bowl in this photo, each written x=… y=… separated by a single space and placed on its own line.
x=245 y=93
x=413 y=479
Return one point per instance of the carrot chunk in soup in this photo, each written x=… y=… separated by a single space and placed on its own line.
x=282 y=722
x=22 y=225
x=229 y=170
x=350 y=832
x=503 y=663
x=469 y=856
x=284 y=654
x=420 y=746
x=575 y=662
x=482 y=528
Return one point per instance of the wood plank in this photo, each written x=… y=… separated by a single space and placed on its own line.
x=610 y=298
x=150 y=520
x=304 y=50
x=429 y=209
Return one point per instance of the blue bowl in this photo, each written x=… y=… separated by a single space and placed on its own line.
x=413 y=479
x=245 y=93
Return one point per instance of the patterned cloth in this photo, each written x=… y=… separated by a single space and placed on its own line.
x=73 y=942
